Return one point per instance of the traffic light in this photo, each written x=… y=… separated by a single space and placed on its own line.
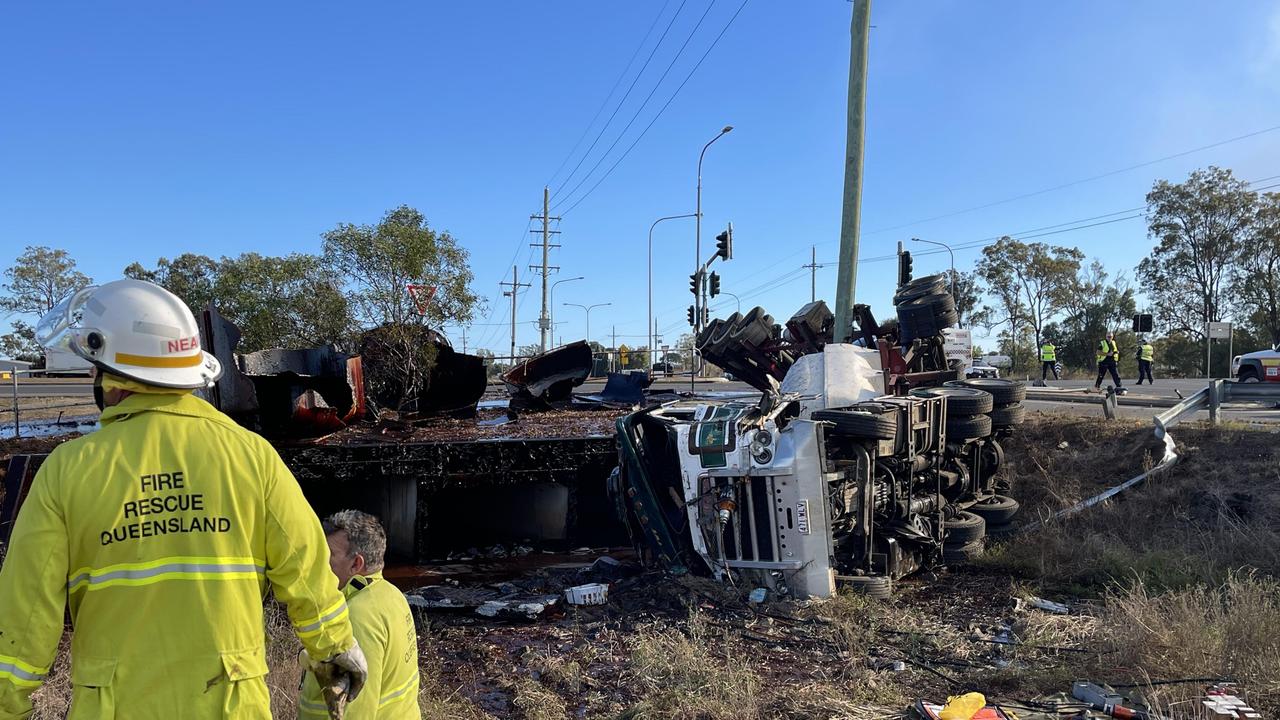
x=693 y=283
x=904 y=267
x=724 y=243
x=706 y=316
x=690 y=314
x=715 y=284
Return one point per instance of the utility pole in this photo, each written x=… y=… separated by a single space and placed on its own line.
x=813 y=272
x=464 y=339
x=616 y=356
x=544 y=320
x=515 y=290
x=847 y=279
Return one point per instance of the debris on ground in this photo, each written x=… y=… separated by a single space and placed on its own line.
x=548 y=379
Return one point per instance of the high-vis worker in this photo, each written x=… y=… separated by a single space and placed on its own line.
x=381 y=620
x=162 y=531
x=1146 y=356
x=1108 y=356
x=1048 y=360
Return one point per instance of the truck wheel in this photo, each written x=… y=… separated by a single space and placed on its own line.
x=968 y=428
x=878 y=587
x=962 y=554
x=1005 y=392
x=960 y=400
x=1248 y=375
x=861 y=424
x=1008 y=416
x=964 y=528
x=996 y=510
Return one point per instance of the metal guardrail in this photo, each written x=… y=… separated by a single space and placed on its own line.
x=1212 y=397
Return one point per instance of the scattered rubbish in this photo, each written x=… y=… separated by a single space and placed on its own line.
x=1064 y=445
x=963 y=707
x=930 y=711
x=589 y=594
x=886 y=664
x=550 y=377
x=1042 y=604
x=1222 y=703
x=519 y=609
x=758 y=595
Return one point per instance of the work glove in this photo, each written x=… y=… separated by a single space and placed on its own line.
x=341 y=677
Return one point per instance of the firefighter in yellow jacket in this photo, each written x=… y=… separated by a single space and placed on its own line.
x=162 y=532
x=380 y=618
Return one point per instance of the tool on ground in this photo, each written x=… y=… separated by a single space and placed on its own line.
x=1108 y=702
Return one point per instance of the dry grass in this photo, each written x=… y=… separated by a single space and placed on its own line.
x=692 y=674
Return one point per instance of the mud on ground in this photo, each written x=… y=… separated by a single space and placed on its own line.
x=1174 y=579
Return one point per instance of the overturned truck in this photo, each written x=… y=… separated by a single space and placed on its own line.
x=860 y=463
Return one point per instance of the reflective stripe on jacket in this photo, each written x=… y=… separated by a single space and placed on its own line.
x=162 y=532
x=1048 y=353
x=384 y=628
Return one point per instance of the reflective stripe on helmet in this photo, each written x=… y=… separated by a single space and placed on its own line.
x=159 y=362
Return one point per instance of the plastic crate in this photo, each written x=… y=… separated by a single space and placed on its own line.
x=590 y=594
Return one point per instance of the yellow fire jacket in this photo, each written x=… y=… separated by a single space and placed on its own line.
x=384 y=628
x=162 y=533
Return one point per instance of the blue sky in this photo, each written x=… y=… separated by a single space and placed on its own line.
x=139 y=130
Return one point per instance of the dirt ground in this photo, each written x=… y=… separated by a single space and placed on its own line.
x=1172 y=580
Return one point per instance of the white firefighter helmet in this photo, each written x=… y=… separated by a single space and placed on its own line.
x=134 y=329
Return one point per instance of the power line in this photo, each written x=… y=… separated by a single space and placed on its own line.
x=643 y=103
x=613 y=89
x=622 y=101
x=660 y=111
x=1073 y=183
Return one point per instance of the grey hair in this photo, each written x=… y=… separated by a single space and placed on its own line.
x=365 y=535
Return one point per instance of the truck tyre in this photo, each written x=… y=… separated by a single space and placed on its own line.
x=1248 y=375
x=1008 y=416
x=878 y=587
x=921 y=288
x=962 y=554
x=964 y=528
x=968 y=428
x=996 y=510
x=860 y=424
x=960 y=400
x=1005 y=392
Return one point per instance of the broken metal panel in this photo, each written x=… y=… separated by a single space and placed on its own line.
x=551 y=376
x=297 y=393
x=456 y=384
x=622 y=389
x=233 y=393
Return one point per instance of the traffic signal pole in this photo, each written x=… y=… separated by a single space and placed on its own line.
x=846 y=280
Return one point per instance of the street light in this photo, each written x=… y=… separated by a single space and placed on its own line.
x=651 y=227
x=736 y=301
x=588 y=308
x=551 y=301
x=697 y=247
x=697 y=243
x=953 y=263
